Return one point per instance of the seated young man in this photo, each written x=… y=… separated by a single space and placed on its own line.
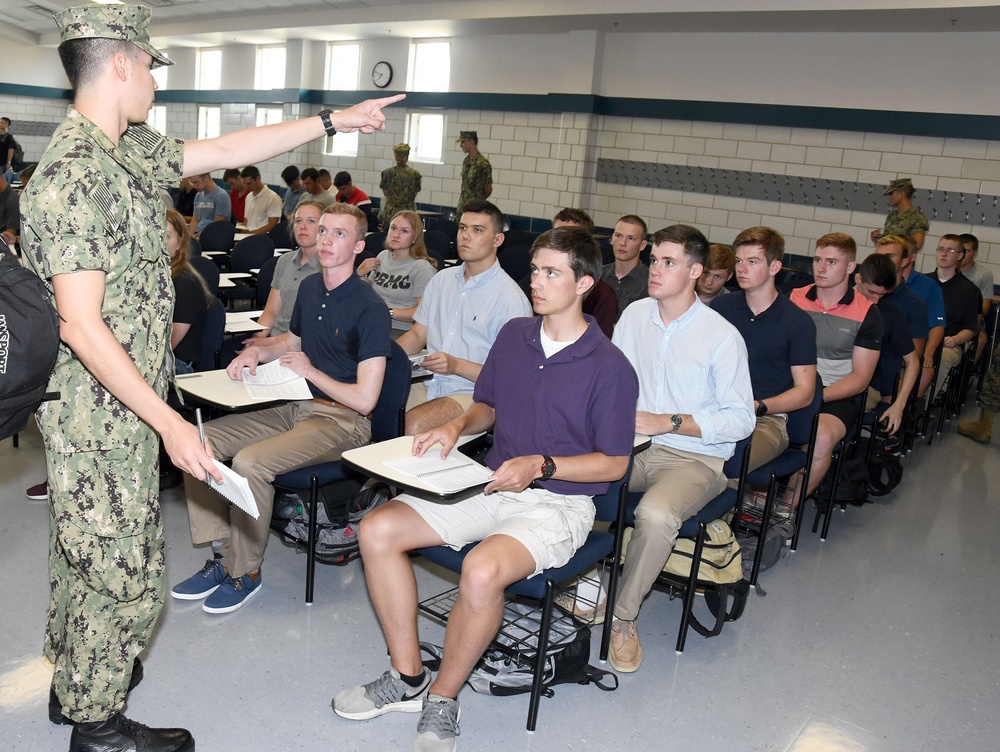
x=338 y=340
x=780 y=340
x=458 y=319
x=848 y=342
x=561 y=399
x=719 y=270
x=695 y=401
x=601 y=302
x=962 y=305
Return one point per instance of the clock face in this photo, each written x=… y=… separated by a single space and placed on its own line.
x=382 y=74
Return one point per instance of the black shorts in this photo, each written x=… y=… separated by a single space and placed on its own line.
x=844 y=410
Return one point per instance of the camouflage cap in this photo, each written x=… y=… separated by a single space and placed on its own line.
x=401 y=149
x=466 y=134
x=125 y=22
x=895 y=185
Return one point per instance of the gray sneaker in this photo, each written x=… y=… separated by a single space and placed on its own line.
x=386 y=694
x=438 y=725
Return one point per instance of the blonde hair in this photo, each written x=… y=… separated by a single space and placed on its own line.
x=182 y=259
x=419 y=249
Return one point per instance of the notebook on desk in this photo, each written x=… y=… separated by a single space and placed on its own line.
x=456 y=472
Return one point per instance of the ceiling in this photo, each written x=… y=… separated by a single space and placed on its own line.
x=214 y=22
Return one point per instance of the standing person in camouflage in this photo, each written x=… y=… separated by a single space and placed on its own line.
x=400 y=184
x=94 y=229
x=981 y=429
x=477 y=174
x=904 y=218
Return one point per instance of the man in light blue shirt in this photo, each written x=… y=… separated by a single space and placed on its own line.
x=458 y=319
x=211 y=204
x=695 y=402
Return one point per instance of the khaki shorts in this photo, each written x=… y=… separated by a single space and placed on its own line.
x=550 y=525
x=418 y=396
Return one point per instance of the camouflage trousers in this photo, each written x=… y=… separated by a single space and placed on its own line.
x=106 y=570
x=989 y=399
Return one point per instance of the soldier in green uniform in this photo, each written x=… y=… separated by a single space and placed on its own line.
x=400 y=184
x=981 y=429
x=477 y=174
x=904 y=218
x=94 y=230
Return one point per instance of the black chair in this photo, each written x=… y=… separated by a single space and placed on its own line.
x=250 y=253
x=438 y=241
x=607 y=252
x=264 y=278
x=218 y=236
x=437 y=256
x=516 y=261
x=212 y=332
x=209 y=272
x=387 y=423
x=279 y=235
x=194 y=247
x=374 y=244
x=599 y=546
x=449 y=228
x=513 y=238
x=840 y=453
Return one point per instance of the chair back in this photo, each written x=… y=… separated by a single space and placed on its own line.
x=387 y=418
x=607 y=252
x=448 y=228
x=438 y=241
x=252 y=253
x=374 y=244
x=800 y=421
x=264 y=278
x=279 y=235
x=518 y=237
x=212 y=332
x=209 y=272
x=516 y=261
x=218 y=236
x=194 y=247
x=610 y=505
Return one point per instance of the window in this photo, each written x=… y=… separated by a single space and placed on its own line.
x=341 y=145
x=425 y=134
x=269 y=115
x=430 y=66
x=160 y=76
x=270 y=68
x=343 y=66
x=158 y=118
x=209 y=118
x=208 y=71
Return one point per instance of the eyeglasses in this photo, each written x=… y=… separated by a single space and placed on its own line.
x=950 y=250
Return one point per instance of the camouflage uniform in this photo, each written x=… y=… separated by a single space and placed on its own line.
x=989 y=399
x=95 y=206
x=476 y=175
x=401 y=184
x=909 y=222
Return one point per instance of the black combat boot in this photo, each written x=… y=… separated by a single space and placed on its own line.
x=119 y=734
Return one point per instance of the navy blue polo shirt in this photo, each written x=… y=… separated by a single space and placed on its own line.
x=896 y=342
x=905 y=300
x=340 y=327
x=779 y=337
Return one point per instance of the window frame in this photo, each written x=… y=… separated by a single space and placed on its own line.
x=200 y=60
x=413 y=138
x=328 y=75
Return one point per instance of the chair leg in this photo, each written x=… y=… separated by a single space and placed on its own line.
x=689 y=591
x=16 y=444
x=311 y=543
x=772 y=491
x=538 y=681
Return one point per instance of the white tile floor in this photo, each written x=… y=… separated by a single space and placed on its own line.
x=882 y=639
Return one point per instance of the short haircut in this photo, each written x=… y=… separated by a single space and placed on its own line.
x=907 y=189
x=323 y=172
x=7 y=120
x=720 y=257
x=910 y=242
x=232 y=172
x=581 y=247
x=954 y=237
x=349 y=209
x=310 y=173
x=841 y=241
x=482 y=206
x=84 y=59
x=634 y=219
x=342 y=178
x=577 y=217
x=879 y=270
x=27 y=172
x=695 y=244
x=767 y=238
x=290 y=174
x=250 y=172
x=968 y=237
x=894 y=240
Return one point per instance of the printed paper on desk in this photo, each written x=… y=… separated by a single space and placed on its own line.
x=275 y=382
x=235 y=488
x=454 y=473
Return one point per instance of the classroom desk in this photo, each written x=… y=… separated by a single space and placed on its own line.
x=225 y=283
x=239 y=322
x=216 y=389
x=238 y=236
x=212 y=254
x=235 y=275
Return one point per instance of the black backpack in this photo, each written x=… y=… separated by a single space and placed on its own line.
x=18 y=158
x=29 y=342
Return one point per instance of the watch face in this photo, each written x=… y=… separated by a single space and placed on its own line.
x=382 y=74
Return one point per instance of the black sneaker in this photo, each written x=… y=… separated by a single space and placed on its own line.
x=55 y=707
x=120 y=733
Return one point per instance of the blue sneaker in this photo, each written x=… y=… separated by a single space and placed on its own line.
x=202 y=583
x=232 y=594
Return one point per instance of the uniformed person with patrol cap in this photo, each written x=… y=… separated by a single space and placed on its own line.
x=477 y=173
x=903 y=218
x=400 y=184
x=95 y=231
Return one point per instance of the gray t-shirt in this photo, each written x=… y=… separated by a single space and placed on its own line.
x=981 y=277
x=400 y=283
x=288 y=274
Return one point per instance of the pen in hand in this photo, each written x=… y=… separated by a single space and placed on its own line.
x=201 y=434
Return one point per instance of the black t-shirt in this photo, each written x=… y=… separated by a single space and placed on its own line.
x=6 y=142
x=190 y=307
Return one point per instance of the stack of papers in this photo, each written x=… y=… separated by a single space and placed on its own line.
x=454 y=473
x=275 y=382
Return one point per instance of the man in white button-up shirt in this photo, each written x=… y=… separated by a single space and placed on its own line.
x=695 y=401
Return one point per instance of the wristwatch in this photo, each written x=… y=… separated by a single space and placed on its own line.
x=324 y=115
x=675 y=420
x=548 y=467
x=761 y=408
x=392 y=314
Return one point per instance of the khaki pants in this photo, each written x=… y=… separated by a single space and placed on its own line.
x=677 y=485
x=950 y=357
x=263 y=445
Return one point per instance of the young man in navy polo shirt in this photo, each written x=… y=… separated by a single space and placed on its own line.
x=780 y=340
x=561 y=400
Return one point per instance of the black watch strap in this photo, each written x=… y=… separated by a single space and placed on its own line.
x=548 y=467
x=324 y=115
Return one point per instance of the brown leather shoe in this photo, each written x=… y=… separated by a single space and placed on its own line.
x=626 y=650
